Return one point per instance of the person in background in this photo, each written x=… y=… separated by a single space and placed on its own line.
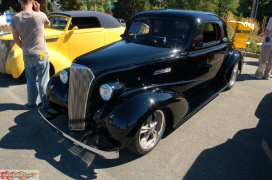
x=28 y=33
x=265 y=61
x=2 y=26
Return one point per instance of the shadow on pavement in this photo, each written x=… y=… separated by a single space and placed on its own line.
x=10 y=81
x=247 y=77
x=248 y=155
x=31 y=133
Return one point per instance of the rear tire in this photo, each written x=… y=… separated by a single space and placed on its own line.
x=149 y=134
x=233 y=76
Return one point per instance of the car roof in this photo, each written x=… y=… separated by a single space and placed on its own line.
x=184 y=14
x=106 y=20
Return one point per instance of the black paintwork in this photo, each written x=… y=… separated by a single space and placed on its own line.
x=197 y=74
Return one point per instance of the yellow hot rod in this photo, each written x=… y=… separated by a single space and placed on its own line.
x=72 y=33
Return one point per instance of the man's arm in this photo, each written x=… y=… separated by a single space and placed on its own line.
x=266 y=31
x=16 y=38
x=268 y=27
x=47 y=25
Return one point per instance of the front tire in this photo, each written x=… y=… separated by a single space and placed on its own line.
x=149 y=134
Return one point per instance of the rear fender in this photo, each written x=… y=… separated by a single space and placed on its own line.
x=236 y=56
x=58 y=61
x=14 y=63
x=125 y=119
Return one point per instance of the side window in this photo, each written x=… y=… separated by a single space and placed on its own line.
x=207 y=33
x=210 y=32
x=198 y=37
x=85 y=22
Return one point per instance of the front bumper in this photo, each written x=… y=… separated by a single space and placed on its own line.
x=107 y=154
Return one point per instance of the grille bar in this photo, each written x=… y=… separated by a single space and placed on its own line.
x=80 y=80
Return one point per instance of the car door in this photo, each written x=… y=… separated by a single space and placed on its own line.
x=85 y=34
x=205 y=58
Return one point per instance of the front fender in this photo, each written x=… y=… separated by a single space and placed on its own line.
x=125 y=119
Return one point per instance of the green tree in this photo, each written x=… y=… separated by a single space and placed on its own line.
x=12 y=5
x=158 y=4
x=263 y=8
x=125 y=9
x=71 y=5
x=208 y=5
x=94 y=3
x=227 y=7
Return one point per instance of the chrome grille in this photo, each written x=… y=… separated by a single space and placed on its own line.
x=80 y=80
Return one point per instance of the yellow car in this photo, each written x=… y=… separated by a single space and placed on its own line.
x=72 y=33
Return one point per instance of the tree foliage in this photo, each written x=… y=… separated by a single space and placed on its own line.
x=13 y=5
x=71 y=5
x=126 y=8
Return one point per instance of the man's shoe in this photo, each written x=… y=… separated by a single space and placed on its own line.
x=31 y=106
x=43 y=108
x=267 y=78
x=254 y=76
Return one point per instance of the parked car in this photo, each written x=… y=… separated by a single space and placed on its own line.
x=168 y=65
x=72 y=33
x=122 y=22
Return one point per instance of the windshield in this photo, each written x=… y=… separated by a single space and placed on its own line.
x=58 y=22
x=158 y=30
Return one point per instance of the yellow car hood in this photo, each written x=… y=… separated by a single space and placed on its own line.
x=48 y=34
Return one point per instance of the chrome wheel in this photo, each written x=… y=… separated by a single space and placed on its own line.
x=149 y=134
x=233 y=76
x=152 y=130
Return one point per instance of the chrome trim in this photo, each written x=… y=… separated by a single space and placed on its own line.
x=111 y=154
x=80 y=80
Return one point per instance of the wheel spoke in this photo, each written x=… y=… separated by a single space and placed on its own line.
x=144 y=129
x=144 y=141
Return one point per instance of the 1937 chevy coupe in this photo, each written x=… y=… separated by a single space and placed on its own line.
x=168 y=65
x=72 y=33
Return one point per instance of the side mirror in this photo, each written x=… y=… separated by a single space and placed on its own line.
x=74 y=28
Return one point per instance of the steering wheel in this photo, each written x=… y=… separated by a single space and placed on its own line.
x=179 y=38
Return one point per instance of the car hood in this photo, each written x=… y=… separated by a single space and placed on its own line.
x=49 y=33
x=124 y=54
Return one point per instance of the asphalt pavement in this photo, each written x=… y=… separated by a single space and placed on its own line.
x=230 y=138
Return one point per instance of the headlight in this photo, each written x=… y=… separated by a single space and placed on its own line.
x=63 y=76
x=105 y=92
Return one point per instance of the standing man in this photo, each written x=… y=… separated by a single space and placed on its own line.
x=265 y=61
x=28 y=33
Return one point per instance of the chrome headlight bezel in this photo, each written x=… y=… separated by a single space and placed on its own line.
x=105 y=92
x=64 y=76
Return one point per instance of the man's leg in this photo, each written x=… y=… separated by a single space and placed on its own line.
x=43 y=77
x=263 y=60
x=30 y=72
